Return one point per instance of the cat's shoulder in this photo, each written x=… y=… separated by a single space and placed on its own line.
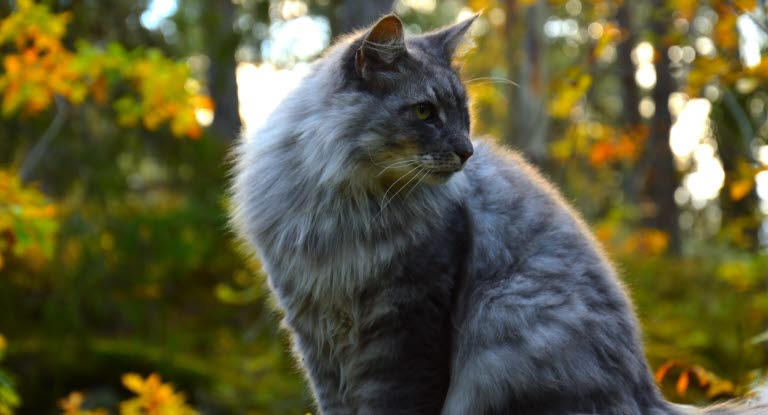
x=495 y=167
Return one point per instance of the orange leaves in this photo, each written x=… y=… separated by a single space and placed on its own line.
x=42 y=68
x=742 y=179
x=646 y=242
x=741 y=188
x=705 y=380
x=27 y=221
x=622 y=147
x=631 y=242
x=726 y=36
x=602 y=144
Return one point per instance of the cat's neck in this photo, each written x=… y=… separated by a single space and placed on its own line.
x=320 y=221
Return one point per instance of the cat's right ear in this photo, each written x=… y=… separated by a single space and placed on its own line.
x=382 y=46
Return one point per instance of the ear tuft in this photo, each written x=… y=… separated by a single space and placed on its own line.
x=449 y=38
x=382 y=45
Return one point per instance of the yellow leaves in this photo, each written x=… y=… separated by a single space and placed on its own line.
x=27 y=221
x=153 y=398
x=686 y=8
x=745 y=5
x=568 y=93
x=42 y=68
x=706 y=70
x=30 y=19
x=741 y=273
x=71 y=405
x=610 y=34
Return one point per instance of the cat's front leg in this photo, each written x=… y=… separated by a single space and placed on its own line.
x=323 y=375
x=324 y=381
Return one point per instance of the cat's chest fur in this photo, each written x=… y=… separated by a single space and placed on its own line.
x=391 y=323
x=357 y=280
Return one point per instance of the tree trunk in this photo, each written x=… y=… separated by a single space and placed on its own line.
x=527 y=119
x=661 y=179
x=733 y=146
x=221 y=45
x=629 y=92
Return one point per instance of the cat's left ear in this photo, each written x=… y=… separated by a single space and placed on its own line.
x=382 y=46
x=448 y=39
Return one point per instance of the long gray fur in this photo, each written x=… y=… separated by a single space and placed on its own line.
x=452 y=288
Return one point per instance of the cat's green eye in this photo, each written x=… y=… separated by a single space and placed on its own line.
x=423 y=110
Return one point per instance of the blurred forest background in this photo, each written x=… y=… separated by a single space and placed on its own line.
x=120 y=284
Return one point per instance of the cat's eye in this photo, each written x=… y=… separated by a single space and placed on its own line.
x=423 y=110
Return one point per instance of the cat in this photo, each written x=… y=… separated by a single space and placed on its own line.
x=420 y=271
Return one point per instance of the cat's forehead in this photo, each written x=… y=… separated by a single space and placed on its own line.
x=426 y=63
x=432 y=76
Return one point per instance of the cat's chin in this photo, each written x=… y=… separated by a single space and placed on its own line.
x=439 y=177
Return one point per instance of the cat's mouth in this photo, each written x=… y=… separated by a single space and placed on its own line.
x=443 y=163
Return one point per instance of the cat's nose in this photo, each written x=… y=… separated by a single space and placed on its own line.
x=464 y=154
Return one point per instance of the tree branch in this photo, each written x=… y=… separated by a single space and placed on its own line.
x=37 y=152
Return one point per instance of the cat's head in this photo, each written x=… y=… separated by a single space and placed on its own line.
x=416 y=119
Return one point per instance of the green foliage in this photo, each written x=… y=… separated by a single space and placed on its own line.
x=43 y=68
x=9 y=398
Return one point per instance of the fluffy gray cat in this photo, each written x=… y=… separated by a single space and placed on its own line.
x=415 y=279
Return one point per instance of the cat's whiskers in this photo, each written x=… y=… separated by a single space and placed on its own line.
x=402 y=163
x=384 y=198
x=391 y=161
x=386 y=203
x=492 y=79
x=427 y=172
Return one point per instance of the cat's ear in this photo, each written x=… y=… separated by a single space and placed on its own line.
x=448 y=39
x=381 y=47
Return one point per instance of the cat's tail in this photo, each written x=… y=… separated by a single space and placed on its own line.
x=756 y=404
x=728 y=408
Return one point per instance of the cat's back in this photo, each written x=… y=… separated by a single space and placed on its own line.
x=542 y=292
x=516 y=212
